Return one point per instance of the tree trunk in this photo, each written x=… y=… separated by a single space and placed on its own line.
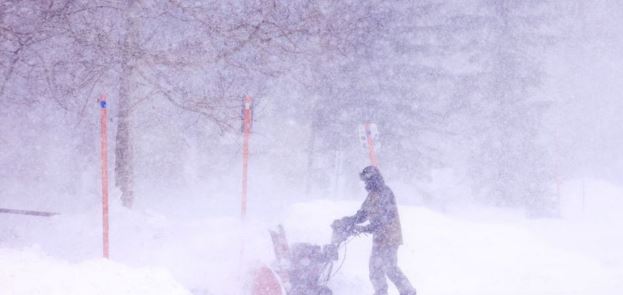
x=124 y=168
x=309 y=180
x=9 y=71
x=124 y=152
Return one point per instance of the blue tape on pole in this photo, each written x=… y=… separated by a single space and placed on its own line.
x=103 y=104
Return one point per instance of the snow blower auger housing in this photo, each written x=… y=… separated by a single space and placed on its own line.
x=303 y=268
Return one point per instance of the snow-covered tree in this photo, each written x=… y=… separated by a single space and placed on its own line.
x=509 y=163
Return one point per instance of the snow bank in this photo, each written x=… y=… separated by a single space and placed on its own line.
x=206 y=255
x=31 y=272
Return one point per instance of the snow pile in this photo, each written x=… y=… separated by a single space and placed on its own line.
x=31 y=272
x=206 y=255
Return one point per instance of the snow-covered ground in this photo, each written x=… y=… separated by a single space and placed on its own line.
x=486 y=255
x=30 y=271
x=474 y=251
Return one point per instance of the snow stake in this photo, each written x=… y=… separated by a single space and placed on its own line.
x=247 y=113
x=367 y=135
x=104 y=162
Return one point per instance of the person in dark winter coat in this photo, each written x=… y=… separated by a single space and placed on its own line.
x=381 y=211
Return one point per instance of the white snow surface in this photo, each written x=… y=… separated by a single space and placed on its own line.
x=470 y=250
x=30 y=271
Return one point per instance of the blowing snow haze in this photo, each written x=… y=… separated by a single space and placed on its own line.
x=496 y=123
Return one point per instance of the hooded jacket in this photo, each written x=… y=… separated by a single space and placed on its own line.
x=381 y=211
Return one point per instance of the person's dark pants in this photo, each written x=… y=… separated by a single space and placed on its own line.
x=384 y=262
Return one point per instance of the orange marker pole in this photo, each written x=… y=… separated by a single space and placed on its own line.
x=246 y=129
x=371 y=151
x=104 y=162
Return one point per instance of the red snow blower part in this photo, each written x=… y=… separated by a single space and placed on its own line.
x=301 y=268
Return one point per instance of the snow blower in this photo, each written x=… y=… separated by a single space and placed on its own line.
x=302 y=268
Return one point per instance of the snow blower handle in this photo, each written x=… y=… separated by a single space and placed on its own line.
x=342 y=229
